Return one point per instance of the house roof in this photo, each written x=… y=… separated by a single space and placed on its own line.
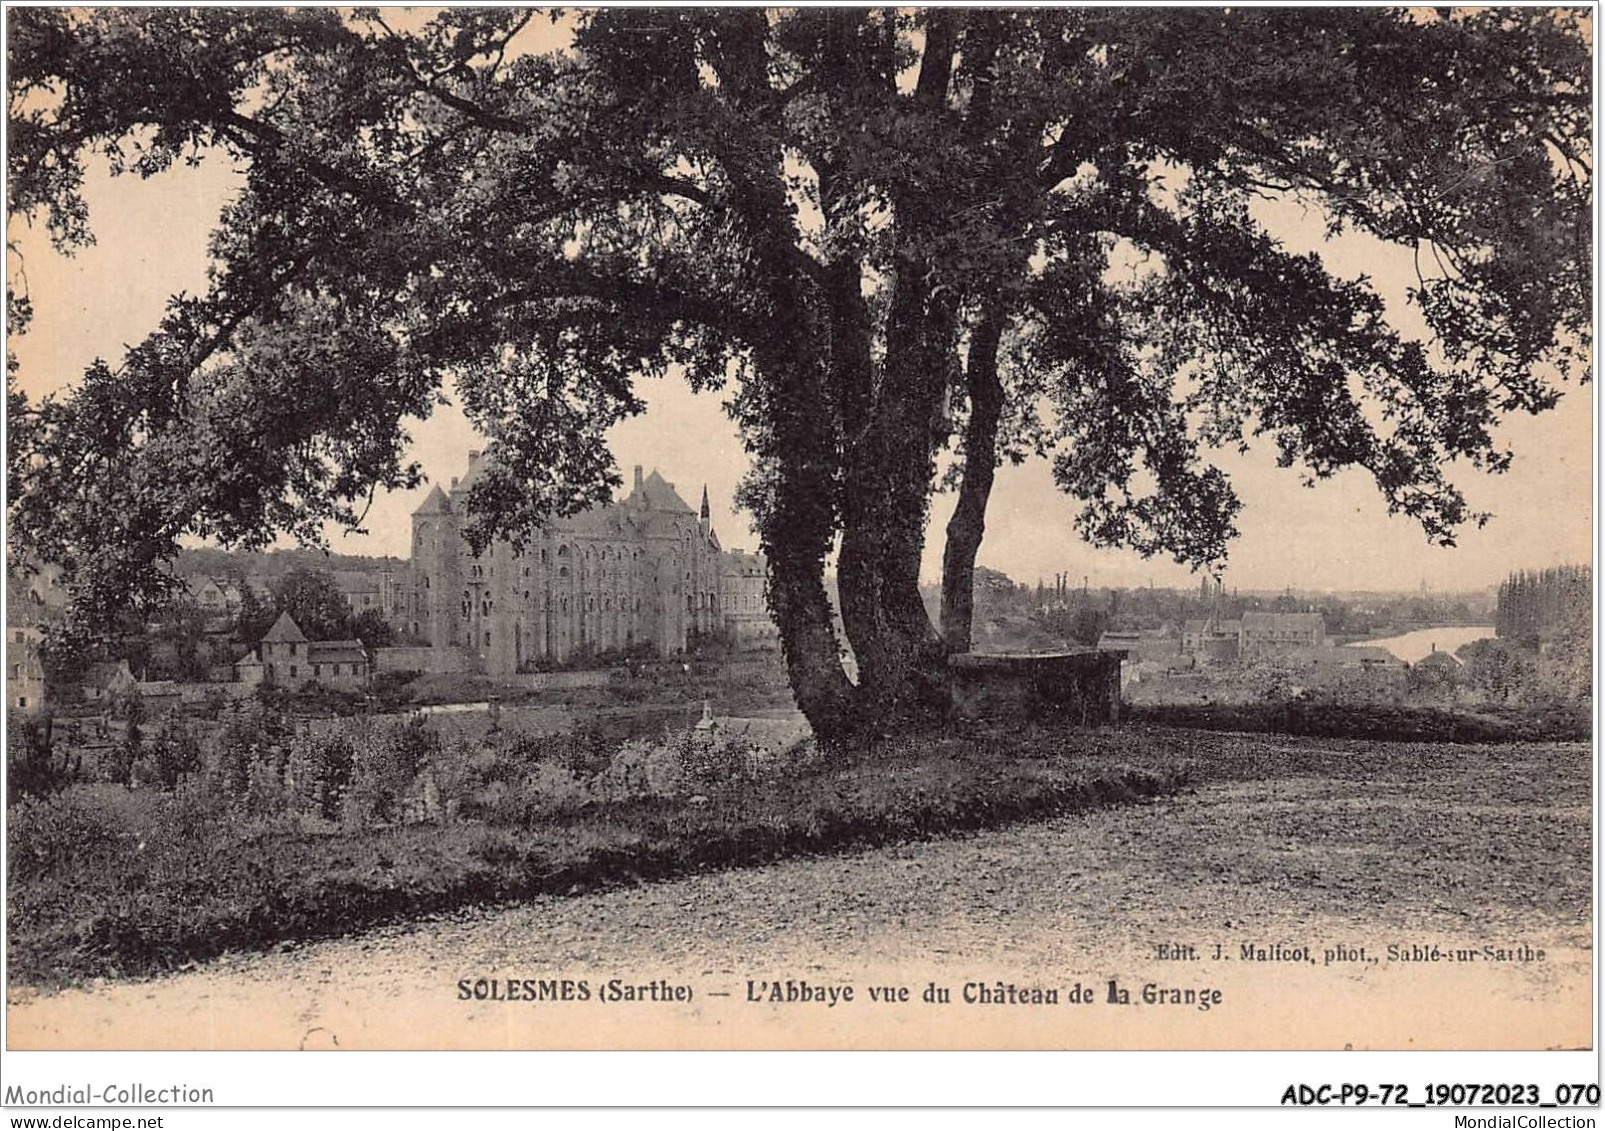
x=336 y=651
x=1371 y=655
x=1221 y=627
x=1284 y=621
x=435 y=502
x=658 y=494
x=101 y=674
x=739 y=563
x=285 y=631
x=1440 y=660
x=1348 y=656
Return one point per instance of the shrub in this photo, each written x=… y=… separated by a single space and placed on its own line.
x=626 y=775
x=545 y=789
x=174 y=751
x=266 y=795
x=33 y=768
x=455 y=773
x=66 y=834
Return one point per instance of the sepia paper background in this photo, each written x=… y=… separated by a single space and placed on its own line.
x=150 y=242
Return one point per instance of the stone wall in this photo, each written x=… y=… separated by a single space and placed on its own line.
x=559 y=681
x=434 y=661
x=1081 y=688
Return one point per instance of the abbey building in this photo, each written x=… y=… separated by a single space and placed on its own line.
x=645 y=571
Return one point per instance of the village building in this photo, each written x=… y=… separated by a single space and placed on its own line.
x=1352 y=656
x=1211 y=640
x=376 y=591
x=1263 y=634
x=214 y=596
x=745 y=598
x=109 y=680
x=289 y=659
x=1141 y=647
x=33 y=598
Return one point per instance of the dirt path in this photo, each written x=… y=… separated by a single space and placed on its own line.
x=1073 y=902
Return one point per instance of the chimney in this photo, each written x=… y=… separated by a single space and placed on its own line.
x=453 y=482
x=637 y=477
x=473 y=456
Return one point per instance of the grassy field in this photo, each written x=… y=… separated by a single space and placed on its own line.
x=107 y=882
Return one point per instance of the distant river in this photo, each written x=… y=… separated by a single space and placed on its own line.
x=1411 y=646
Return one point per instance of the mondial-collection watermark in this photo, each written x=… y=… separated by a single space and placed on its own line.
x=114 y=1095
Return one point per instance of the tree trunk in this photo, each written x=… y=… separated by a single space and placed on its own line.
x=902 y=662
x=968 y=524
x=891 y=449
x=797 y=526
x=808 y=640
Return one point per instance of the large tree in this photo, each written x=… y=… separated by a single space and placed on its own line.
x=886 y=234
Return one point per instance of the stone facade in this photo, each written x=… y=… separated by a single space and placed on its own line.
x=33 y=599
x=289 y=659
x=642 y=572
x=1264 y=634
x=745 y=597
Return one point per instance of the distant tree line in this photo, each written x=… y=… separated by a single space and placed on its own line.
x=1078 y=614
x=1544 y=605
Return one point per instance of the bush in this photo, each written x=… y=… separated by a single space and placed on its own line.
x=33 y=768
x=1376 y=721
x=66 y=834
x=386 y=761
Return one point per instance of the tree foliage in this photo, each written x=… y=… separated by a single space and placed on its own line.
x=314 y=600
x=1546 y=605
x=886 y=235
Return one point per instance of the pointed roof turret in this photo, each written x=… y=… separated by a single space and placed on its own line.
x=285 y=631
x=706 y=512
x=435 y=502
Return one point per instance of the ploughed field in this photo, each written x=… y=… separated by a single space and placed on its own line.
x=1268 y=843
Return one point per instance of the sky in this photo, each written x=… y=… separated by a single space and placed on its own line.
x=151 y=241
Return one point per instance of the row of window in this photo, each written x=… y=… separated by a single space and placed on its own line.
x=352 y=668
x=606 y=553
